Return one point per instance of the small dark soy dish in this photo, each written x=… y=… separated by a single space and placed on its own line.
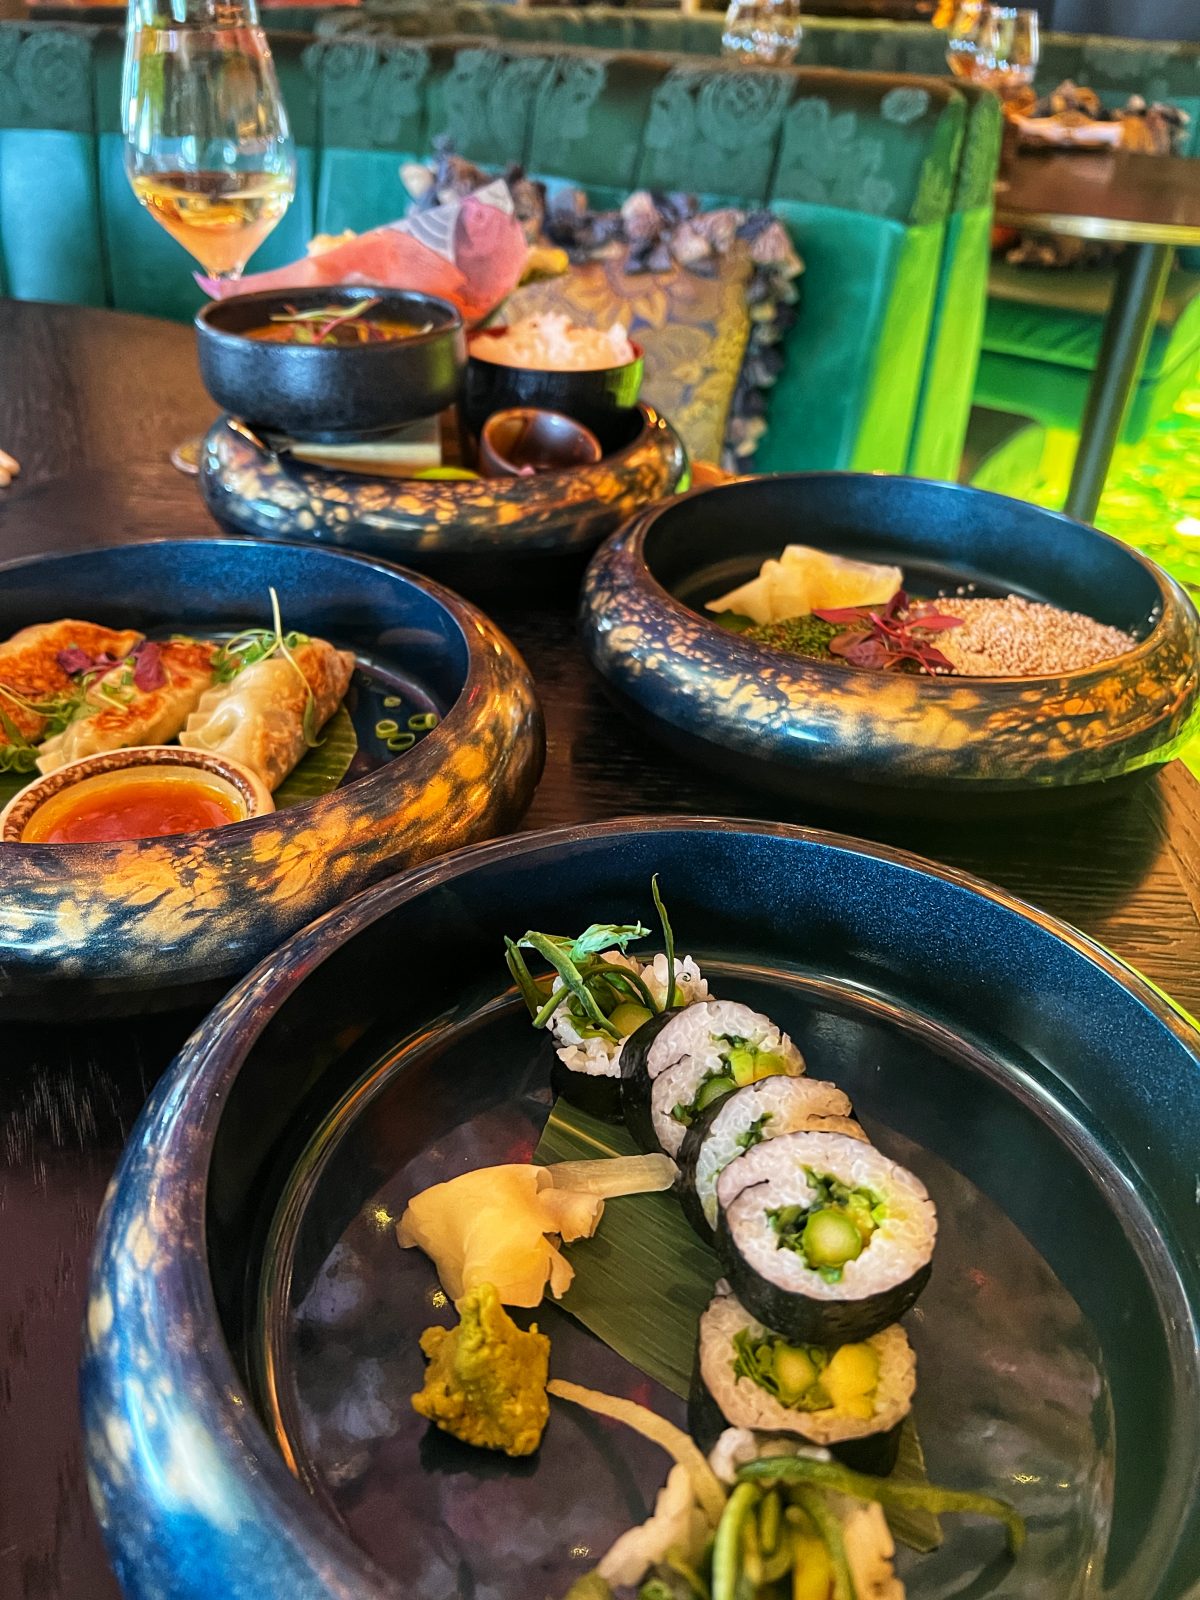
x=521 y=442
x=331 y=392
x=589 y=394
x=892 y=741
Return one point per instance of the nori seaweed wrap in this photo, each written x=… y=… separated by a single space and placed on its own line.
x=851 y=1400
x=824 y=1239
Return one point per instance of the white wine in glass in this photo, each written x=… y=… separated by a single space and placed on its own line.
x=207 y=146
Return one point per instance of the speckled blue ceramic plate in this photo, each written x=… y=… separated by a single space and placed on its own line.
x=251 y=1313
x=888 y=740
x=145 y=923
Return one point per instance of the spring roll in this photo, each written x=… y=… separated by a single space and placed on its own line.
x=32 y=675
x=257 y=718
x=146 y=699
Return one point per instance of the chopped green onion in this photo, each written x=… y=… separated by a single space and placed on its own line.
x=386 y=727
x=402 y=741
x=422 y=721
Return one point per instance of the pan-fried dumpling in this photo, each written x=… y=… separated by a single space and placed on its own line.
x=31 y=674
x=257 y=718
x=145 y=700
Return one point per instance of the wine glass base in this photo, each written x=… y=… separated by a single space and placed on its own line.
x=186 y=456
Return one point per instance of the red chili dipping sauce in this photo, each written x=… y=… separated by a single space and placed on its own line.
x=134 y=803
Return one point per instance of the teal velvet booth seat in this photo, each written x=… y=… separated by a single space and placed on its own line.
x=863 y=168
x=1041 y=334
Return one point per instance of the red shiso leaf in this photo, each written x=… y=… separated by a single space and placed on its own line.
x=73 y=660
x=148 y=671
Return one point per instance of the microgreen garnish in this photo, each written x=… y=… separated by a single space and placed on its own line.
x=323 y=324
x=248 y=648
x=17 y=752
x=885 y=637
x=592 y=987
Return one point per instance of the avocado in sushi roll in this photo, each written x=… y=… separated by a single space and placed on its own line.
x=851 y=1400
x=701 y=1054
x=737 y=1122
x=595 y=996
x=824 y=1239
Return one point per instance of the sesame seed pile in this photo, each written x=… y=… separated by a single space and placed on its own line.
x=1016 y=638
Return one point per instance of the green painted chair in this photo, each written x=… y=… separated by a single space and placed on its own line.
x=863 y=169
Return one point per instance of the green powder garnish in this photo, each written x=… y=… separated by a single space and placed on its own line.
x=802 y=636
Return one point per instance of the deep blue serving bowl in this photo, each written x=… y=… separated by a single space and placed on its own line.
x=250 y=1311
x=891 y=741
x=147 y=923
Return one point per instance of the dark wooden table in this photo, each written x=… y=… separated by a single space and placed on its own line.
x=1151 y=205
x=90 y=403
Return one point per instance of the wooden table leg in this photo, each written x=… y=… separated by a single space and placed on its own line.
x=1137 y=295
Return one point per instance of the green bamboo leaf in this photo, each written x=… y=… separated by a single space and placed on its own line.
x=320 y=770
x=644 y=1278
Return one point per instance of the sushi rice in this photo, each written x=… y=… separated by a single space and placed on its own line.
x=599 y=1055
x=814 y=1302
x=697 y=1046
x=746 y=1404
x=750 y=1116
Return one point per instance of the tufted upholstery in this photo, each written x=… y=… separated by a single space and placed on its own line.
x=865 y=169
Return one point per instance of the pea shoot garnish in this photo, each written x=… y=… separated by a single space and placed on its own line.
x=248 y=648
x=598 y=993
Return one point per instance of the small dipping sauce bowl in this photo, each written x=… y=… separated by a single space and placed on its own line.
x=150 y=792
x=587 y=394
x=523 y=442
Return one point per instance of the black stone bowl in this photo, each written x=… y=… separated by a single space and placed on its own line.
x=891 y=741
x=330 y=392
x=589 y=396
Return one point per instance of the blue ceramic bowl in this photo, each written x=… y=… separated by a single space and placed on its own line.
x=250 y=1311
x=874 y=740
x=147 y=923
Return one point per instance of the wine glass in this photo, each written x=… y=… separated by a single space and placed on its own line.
x=762 y=32
x=207 y=146
x=1009 y=48
x=962 y=37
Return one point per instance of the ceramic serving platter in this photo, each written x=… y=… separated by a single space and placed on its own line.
x=252 y=1328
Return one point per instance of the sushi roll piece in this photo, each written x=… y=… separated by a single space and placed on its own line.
x=711 y=1048
x=851 y=1400
x=748 y=1117
x=824 y=1239
x=586 y=1066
